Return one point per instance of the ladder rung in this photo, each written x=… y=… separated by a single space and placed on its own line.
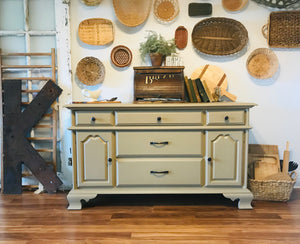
x=26 y=54
x=40 y=138
x=26 y=78
x=31 y=91
x=28 y=66
x=44 y=150
x=43 y=126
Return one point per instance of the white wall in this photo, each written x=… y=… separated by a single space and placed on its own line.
x=276 y=118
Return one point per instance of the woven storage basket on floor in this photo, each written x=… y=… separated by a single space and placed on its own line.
x=90 y=71
x=166 y=11
x=272 y=190
x=91 y=2
x=132 y=12
x=219 y=36
x=283 y=29
x=96 y=31
x=262 y=63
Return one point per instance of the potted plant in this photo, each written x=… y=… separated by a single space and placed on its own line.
x=157 y=48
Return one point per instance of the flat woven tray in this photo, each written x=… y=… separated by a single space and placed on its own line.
x=283 y=29
x=219 y=36
x=121 y=56
x=281 y=4
x=90 y=71
x=181 y=37
x=132 y=12
x=262 y=63
x=234 y=5
x=166 y=11
x=96 y=31
x=91 y=2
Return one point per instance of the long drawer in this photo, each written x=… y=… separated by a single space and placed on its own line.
x=151 y=143
x=94 y=118
x=159 y=118
x=237 y=117
x=169 y=171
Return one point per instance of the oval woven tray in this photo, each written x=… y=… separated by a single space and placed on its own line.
x=132 y=12
x=234 y=5
x=219 y=36
x=262 y=63
x=96 y=31
x=91 y=2
x=181 y=37
x=121 y=56
x=166 y=11
x=90 y=71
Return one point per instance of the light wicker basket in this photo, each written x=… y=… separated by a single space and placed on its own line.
x=262 y=63
x=283 y=29
x=273 y=190
x=166 y=11
x=91 y=2
x=132 y=12
x=96 y=31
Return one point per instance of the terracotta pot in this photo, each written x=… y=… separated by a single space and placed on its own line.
x=156 y=59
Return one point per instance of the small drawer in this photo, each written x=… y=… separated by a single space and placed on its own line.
x=149 y=172
x=159 y=118
x=153 y=143
x=94 y=118
x=226 y=117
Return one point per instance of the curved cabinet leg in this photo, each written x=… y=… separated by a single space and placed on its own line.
x=245 y=199
x=74 y=199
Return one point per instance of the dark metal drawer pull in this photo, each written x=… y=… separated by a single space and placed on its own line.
x=159 y=143
x=159 y=172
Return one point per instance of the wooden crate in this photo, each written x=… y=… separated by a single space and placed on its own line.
x=164 y=82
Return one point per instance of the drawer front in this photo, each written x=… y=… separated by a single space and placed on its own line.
x=159 y=143
x=159 y=118
x=94 y=118
x=171 y=171
x=226 y=117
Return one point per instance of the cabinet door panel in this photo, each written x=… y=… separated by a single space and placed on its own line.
x=93 y=151
x=225 y=158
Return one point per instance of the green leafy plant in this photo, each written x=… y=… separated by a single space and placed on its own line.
x=156 y=43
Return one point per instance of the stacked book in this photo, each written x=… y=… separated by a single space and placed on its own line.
x=197 y=91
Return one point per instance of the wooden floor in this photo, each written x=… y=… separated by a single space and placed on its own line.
x=143 y=219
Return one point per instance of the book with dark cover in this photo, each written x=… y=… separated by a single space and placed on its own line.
x=199 y=100
x=188 y=88
x=202 y=92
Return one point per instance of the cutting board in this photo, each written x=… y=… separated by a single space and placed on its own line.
x=213 y=76
x=263 y=161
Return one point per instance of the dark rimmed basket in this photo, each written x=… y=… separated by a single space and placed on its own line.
x=273 y=190
x=219 y=36
x=121 y=56
x=281 y=4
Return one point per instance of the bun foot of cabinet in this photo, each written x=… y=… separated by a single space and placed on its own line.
x=75 y=199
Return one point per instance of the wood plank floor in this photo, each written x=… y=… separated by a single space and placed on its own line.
x=142 y=219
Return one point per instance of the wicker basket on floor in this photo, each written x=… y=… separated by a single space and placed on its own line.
x=273 y=190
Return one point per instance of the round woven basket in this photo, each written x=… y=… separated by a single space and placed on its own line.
x=234 y=5
x=262 y=63
x=166 y=11
x=96 y=31
x=132 y=12
x=121 y=56
x=91 y=2
x=90 y=71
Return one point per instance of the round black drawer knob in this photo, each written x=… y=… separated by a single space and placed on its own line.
x=209 y=159
x=109 y=159
x=93 y=119
x=226 y=117
x=158 y=119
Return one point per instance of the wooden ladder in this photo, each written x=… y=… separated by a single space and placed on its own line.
x=51 y=116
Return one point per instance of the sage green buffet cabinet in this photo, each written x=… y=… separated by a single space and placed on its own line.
x=160 y=148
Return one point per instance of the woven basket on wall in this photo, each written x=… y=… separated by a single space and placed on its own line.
x=262 y=63
x=219 y=36
x=166 y=11
x=96 y=31
x=132 y=12
x=121 y=56
x=283 y=29
x=91 y=2
x=278 y=3
x=90 y=71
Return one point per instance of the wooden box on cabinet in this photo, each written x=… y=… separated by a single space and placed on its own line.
x=166 y=148
x=159 y=82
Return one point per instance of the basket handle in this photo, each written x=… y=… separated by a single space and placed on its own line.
x=293 y=175
x=265 y=30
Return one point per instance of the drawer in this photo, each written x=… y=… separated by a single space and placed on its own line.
x=226 y=117
x=94 y=118
x=159 y=118
x=170 y=171
x=159 y=143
